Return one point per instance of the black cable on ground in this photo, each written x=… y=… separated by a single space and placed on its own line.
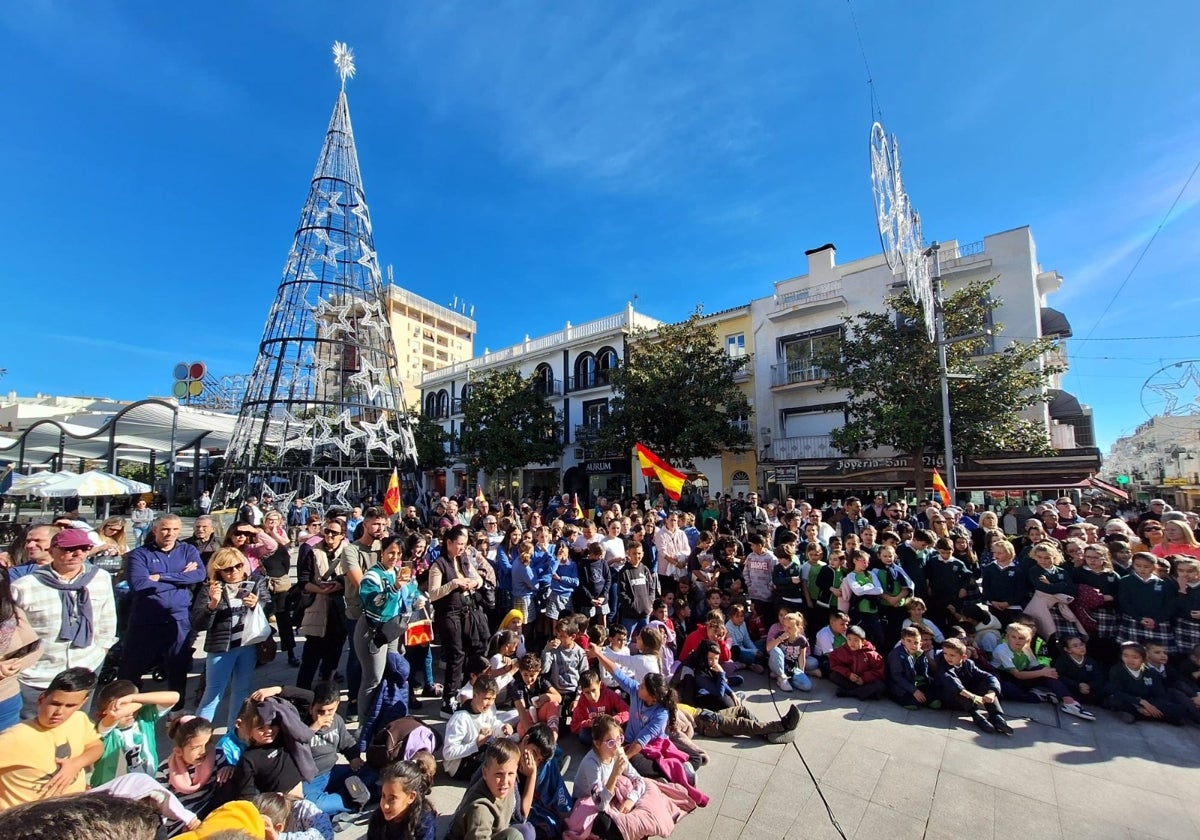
x=816 y=785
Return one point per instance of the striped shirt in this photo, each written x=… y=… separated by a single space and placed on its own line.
x=43 y=608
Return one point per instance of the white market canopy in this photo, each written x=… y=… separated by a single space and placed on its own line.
x=152 y=425
x=91 y=483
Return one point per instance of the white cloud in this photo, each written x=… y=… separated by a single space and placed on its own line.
x=596 y=91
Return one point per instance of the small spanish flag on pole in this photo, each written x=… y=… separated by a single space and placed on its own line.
x=479 y=497
x=670 y=478
x=940 y=486
x=391 y=499
x=577 y=511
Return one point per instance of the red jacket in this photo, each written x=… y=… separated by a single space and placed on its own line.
x=694 y=639
x=609 y=703
x=866 y=662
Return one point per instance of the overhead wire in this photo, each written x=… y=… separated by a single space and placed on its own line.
x=1149 y=242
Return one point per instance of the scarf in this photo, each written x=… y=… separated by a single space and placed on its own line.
x=76 y=620
x=179 y=776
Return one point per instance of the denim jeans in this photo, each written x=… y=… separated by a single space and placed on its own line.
x=234 y=667
x=798 y=678
x=10 y=712
x=747 y=655
x=325 y=791
x=633 y=625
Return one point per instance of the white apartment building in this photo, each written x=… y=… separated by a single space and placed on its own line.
x=571 y=367
x=1161 y=459
x=804 y=314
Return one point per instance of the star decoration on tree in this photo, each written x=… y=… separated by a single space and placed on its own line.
x=368 y=378
x=360 y=211
x=330 y=206
x=380 y=435
x=322 y=487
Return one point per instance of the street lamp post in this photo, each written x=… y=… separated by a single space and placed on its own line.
x=939 y=338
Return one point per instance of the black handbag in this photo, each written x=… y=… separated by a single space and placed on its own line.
x=389 y=631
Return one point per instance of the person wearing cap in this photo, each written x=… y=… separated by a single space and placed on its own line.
x=70 y=607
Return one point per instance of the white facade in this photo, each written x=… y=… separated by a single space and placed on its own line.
x=804 y=315
x=1161 y=459
x=571 y=368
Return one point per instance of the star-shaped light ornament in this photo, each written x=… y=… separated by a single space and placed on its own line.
x=343 y=60
x=1181 y=396
x=281 y=501
x=368 y=378
x=372 y=318
x=363 y=215
x=338 y=490
x=328 y=206
x=381 y=435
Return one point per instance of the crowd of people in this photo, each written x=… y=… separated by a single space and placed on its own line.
x=626 y=629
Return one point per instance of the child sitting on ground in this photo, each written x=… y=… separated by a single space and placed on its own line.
x=1136 y=692
x=745 y=652
x=1024 y=679
x=233 y=743
x=502 y=657
x=404 y=810
x=649 y=656
x=278 y=758
x=916 y=609
x=487 y=807
x=703 y=682
x=908 y=675
x=195 y=770
x=127 y=724
x=595 y=699
x=1082 y=674
x=331 y=738
x=535 y=700
x=966 y=687
x=829 y=638
x=856 y=668
x=472 y=728
x=788 y=654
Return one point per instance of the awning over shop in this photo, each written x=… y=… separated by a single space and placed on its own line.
x=1055 y=324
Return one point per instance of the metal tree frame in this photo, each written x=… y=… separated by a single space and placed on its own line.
x=324 y=417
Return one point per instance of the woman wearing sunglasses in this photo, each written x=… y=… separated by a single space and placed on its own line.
x=254 y=544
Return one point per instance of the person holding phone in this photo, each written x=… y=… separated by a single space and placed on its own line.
x=219 y=609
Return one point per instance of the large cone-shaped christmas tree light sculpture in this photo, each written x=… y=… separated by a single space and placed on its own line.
x=324 y=417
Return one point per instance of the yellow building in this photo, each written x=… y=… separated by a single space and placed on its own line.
x=428 y=336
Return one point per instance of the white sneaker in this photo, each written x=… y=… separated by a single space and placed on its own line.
x=784 y=684
x=1078 y=711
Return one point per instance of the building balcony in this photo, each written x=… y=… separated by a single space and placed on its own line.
x=799 y=372
x=456 y=405
x=587 y=432
x=547 y=387
x=801 y=301
x=742 y=425
x=747 y=370
x=594 y=379
x=803 y=447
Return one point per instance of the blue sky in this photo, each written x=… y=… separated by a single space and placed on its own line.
x=547 y=161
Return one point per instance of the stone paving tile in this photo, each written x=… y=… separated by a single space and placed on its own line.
x=813 y=820
x=963 y=806
x=1017 y=816
x=1000 y=769
x=879 y=821
x=906 y=787
x=1135 y=804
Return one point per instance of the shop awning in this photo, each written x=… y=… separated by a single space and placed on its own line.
x=1110 y=489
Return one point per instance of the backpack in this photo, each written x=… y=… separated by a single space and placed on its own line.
x=399 y=740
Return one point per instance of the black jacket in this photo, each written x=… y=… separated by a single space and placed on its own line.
x=219 y=622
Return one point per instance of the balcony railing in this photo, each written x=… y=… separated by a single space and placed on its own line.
x=594 y=379
x=741 y=425
x=813 y=294
x=796 y=371
x=456 y=405
x=587 y=432
x=804 y=446
x=547 y=387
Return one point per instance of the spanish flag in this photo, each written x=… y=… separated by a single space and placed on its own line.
x=479 y=497
x=671 y=478
x=940 y=486
x=391 y=499
x=577 y=511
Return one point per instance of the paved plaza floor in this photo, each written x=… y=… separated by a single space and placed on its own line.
x=890 y=773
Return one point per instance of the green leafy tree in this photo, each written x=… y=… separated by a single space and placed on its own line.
x=507 y=424
x=431 y=440
x=677 y=393
x=891 y=380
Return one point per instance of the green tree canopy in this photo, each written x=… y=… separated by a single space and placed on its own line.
x=677 y=393
x=431 y=440
x=892 y=383
x=507 y=424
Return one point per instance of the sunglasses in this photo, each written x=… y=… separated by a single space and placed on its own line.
x=1152 y=529
x=329 y=532
x=246 y=534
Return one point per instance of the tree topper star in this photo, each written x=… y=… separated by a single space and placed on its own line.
x=343 y=59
